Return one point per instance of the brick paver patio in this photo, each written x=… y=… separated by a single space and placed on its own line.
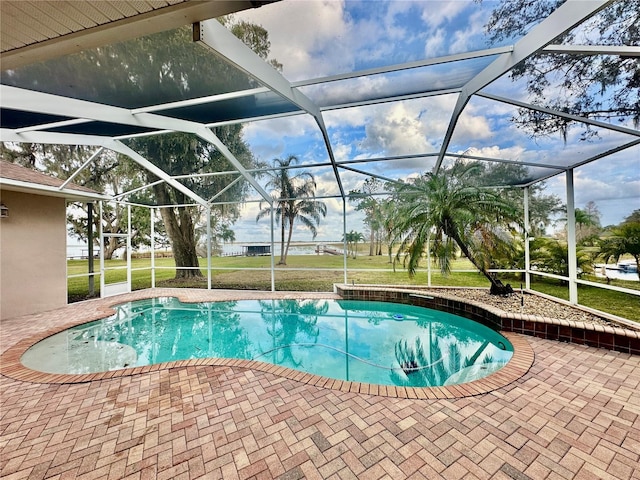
x=574 y=414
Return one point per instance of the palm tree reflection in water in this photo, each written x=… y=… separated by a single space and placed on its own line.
x=290 y=323
x=433 y=368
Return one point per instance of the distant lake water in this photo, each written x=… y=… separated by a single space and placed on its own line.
x=76 y=251
x=294 y=249
x=614 y=272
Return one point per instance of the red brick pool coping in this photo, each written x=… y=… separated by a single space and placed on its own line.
x=11 y=366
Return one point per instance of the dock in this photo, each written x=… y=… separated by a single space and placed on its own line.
x=323 y=249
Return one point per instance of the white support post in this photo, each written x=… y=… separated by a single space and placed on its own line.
x=571 y=239
x=429 y=259
x=153 y=249
x=101 y=232
x=527 y=238
x=129 y=248
x=273 y=252
x=209 y=248
x=344 y=237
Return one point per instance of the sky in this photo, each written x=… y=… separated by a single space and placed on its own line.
x=314 y=39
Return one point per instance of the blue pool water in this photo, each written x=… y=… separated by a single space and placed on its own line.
x=373 y=342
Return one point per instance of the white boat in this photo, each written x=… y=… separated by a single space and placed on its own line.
x=625 y=270
x=628 y=266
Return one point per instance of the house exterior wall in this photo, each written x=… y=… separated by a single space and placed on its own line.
x=33 y=267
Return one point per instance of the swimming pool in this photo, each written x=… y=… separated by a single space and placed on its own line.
x=372 y=342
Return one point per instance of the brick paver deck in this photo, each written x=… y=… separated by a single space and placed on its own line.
x=574 y=414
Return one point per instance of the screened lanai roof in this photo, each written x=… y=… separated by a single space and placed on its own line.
x=430 y=98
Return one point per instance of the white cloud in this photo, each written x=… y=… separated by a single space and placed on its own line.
x=393 y=28
x=435 y=45
x=292 y=126
x=466 y=39
x=437 y=111
x=273 y=138
x=399 y=132
x=297 y=46
x=617 y=178
x=494 y=151
x=397 y=128
x=344 y=91
x=594 y=189
x=351 y=181
x=473 y=127
x=612 y=183
x=326 y=184
x=347 y=117
x=435 y=14
x=342 y=151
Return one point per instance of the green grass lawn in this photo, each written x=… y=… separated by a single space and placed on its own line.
x=616 y=303
x=320 y=272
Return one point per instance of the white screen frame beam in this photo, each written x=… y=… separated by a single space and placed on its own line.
x=561 y=20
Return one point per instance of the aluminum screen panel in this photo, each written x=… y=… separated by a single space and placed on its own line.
x=152 y=70
x=251 y=106
x=411 y=82
x=15 y=119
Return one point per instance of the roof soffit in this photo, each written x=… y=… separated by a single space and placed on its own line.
x=35 y=31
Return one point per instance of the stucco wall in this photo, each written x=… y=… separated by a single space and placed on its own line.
x=32 y=254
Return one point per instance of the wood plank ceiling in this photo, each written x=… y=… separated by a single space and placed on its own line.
x=32 y=31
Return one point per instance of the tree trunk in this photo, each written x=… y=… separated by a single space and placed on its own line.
x=283 y=259
x=113 y=224
x=497 y=288
x=372 y=245
x=110 y=246
x=178 y=223
x=286 y=251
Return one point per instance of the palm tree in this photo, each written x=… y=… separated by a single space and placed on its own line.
x=624 y=239
x=357 y=238
x=293 y=200
x=348 y=239
x=552 y=255
x=366 y=202
x=446 y=209
x=587 y=225
x=352 y=238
